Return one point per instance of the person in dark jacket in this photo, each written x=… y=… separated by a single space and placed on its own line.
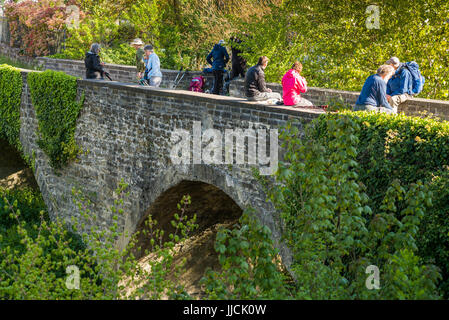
x=373 y=95
x=94 y=68
x=218 y=58
x=238 y=62
x=255 y=86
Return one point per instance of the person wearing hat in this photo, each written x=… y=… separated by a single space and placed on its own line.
x=140 y=64
x=218 y=58
x=399 y=87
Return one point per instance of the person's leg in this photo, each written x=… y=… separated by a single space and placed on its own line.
x=155 y=81
x=395 y=101
x=273 y=95
x=218 y=81
x=261 y=96
x=365 y=107
x=302 y=102
x=385 y=110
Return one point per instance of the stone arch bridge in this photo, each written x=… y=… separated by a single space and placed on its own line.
x=126 y=131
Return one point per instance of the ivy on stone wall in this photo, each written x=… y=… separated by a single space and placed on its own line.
x=54 y=97
x=10 y=97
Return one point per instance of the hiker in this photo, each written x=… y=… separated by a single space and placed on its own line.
x=293 y=84
x=94 y=68
x=153 y=74
x=399 y=87
x=373 y=96
x=218 y=58
x=255 y=86
x=140 y=53
x=238 y=63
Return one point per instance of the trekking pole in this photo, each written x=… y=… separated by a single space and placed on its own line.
x=180 y=79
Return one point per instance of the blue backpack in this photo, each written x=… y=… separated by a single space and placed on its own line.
x=417 y=79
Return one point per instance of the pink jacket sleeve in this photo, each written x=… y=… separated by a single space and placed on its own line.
x=301 y=84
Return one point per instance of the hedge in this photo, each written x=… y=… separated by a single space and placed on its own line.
x=10 y=95
x=409 y=149
x=54 y=96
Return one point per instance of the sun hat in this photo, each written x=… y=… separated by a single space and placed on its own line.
x=137 y=41
x=394 y=61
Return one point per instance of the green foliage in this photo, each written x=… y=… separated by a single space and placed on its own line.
x=337 y=49
x=37 y=270
x=407 y=150
x=249 y=264
x=10 y=98
x=336 y=231
x=54 y=98
x=434 y=232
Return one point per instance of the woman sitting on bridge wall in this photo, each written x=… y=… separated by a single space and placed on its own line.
x=94 y=68
x=293 y=84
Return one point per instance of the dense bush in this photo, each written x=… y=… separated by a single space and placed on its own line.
x=36 y=26
x=54 y=97
x=250 y=266
x=407 y=150
x=336 y=227
x=10 y=98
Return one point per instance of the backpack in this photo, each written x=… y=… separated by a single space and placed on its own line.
x=196 y=84
x=417 y=79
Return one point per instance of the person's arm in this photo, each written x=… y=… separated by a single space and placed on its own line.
x=226 y=56
x=389 y=92
x=261 y=82
x=381 y=95
x=97 y=65
x=405 y=81
x=149 y=64
x=302 y=84
x=209 y=58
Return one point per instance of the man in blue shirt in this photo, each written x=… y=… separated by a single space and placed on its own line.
x=153 y=74
x=373 y=96
x=399 y=87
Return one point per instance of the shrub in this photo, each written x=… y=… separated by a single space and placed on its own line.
x=333 y=227
x=38 y=269
x=36 y=26
x=407 y=150
x=10 y=98
x=250 y=268
x=54 y=97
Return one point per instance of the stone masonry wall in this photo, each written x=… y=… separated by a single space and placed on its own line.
x=319 y=96
x=125 y=131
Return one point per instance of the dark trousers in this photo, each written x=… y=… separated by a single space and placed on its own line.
x=237 y=70
x=218 y=81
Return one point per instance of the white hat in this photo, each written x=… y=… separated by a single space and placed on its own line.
x=394 y=61
x=137 y=41
x=221 y=42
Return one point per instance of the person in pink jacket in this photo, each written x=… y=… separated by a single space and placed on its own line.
x=293 y=84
